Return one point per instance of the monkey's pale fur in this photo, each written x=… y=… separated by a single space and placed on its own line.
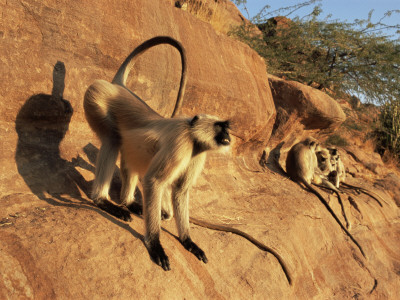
x=338 y=166
x=325 y=169
x=301 y=163
x=340 y=176
x=158 y=150
x=166 y=154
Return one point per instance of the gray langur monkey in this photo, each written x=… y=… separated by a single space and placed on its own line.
x=301 y=163
x=340 y=177
x=165 y=153
x=338 y=166
x=324 y=169
x=324 y=172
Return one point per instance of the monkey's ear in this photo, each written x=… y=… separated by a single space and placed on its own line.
x=193 y=121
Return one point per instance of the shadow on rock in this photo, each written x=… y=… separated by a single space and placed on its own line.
x=41 y=125
x=270 y=160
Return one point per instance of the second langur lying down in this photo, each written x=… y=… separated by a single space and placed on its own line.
x=301 y=163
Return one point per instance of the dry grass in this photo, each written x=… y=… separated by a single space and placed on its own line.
x=391 y=160
x=337 y=140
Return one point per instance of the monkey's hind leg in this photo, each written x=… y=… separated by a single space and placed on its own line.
x=103 y=175
x=129 y=183
x=153 y=190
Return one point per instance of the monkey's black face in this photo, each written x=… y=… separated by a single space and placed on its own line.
x=222 y=136
x=333 y=151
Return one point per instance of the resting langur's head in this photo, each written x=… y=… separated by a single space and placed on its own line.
x=309 y=141
x=210 y=133
x=334 y=157
x=312 y=143
x=324 y=161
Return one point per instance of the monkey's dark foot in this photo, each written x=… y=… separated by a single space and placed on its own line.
x=136 y=208
x=158 y=255
x=115 y=210
x=192 y=247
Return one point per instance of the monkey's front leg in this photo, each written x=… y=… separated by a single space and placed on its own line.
x=181 y=208
x=192 y=247
x=152 y=216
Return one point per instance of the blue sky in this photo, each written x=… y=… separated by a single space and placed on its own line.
x=344 y=10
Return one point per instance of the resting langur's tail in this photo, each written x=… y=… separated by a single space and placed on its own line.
x=333 y=214
x=336 y=191
x=249 y=238
x=365 y=191
x=122 y=73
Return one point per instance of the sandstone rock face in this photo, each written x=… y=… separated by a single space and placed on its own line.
x=223 y=15
x=299 y=108
x=54 y=243
x=92 y=43
x=372 y=161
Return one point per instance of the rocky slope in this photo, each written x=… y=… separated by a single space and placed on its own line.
x=55 y=244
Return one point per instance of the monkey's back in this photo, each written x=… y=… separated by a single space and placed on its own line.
x=110 y=108
x=299 y=163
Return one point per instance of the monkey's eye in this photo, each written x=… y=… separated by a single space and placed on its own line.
x=323 y=159
x=222 y=125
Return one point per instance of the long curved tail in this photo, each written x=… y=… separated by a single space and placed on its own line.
x=336 y=191
x=249 y=238
x=122 y=73
x=365 y=191
x=333 y=215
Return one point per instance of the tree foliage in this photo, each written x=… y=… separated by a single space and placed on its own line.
x=239 y=2
x=360 y=58
x=388 y=132
x=342 y=57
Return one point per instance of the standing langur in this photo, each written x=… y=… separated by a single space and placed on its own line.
x=301 y=163
x=163 y=152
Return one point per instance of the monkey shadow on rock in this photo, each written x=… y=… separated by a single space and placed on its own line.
x=41 y=125
x=271 y=160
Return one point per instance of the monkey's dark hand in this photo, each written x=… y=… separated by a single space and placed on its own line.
x=158 y=255
x=192 y=247
x=115 y=210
